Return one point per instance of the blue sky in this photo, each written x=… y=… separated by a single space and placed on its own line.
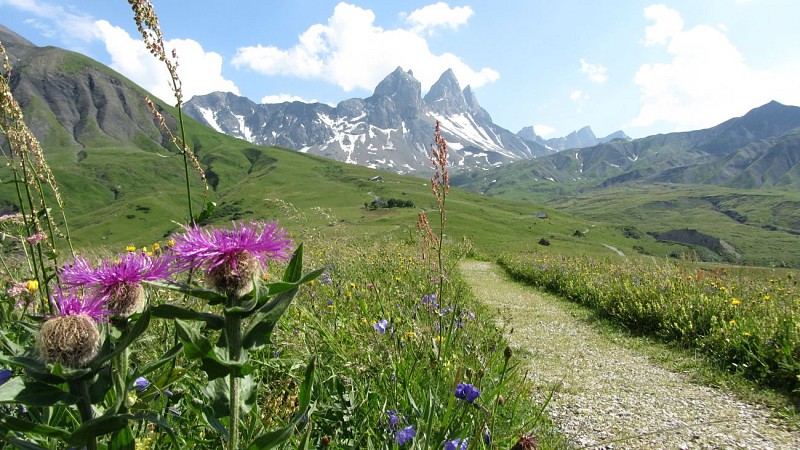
x=641 y=66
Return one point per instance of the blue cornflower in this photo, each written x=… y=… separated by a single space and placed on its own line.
x=467 y=392
x=405 y=435
x=141 y=384
x=393 y=419
x=380 y=327
x=429 y=300
x=5 y=375
x=456 y=444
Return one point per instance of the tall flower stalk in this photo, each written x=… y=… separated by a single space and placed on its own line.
x=147 y=23
x=233 y=261
x=34 y=181
x=440 y=185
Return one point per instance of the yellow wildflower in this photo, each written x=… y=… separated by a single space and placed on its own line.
x=439 y=338
x=32 y=285
x=732 y=322
x=156 y=247
x=130 y=248
x=766 y=298
x=736 y=301
x=170 y=242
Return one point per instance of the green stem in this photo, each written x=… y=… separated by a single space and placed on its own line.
x=499 y=385
x=185 y=163
x=233 y=333
x=81 y=389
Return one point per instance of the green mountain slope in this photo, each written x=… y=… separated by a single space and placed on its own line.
x=123 y=181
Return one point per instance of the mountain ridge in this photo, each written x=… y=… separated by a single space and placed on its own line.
x=390 y=130
x=758 y=149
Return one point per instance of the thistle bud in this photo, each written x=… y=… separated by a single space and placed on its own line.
x=127 y=299
x=235 y=275
x=71 y=340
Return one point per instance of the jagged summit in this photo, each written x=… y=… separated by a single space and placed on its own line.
x=581 y=138
x=403 y=90
x=445 y=96
x=392 y=129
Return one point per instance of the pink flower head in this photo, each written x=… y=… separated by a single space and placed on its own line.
x=211 y=247
x=108 y=277
x=231 y=257
x=36 y=238
x=118 y=282
x=68 y=303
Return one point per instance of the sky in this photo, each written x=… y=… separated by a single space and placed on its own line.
x=643 y=67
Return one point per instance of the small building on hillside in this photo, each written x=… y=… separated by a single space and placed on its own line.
x=541 y=215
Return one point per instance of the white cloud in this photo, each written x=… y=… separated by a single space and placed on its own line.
x=439 y=15
x=707 y=80
x=283 y=98
x=200 y=71
x=668 y=22
x=56 y=20
x=352 y=52
x=543 y=130
x=596 y=72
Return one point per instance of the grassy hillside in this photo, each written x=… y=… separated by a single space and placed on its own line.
x=134 y=194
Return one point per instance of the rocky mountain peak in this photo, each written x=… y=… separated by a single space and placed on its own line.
x=445 y=96
x=474 y=106
x=527 y=133
x=401 y=88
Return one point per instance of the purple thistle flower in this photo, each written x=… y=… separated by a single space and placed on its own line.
x=5 y=375
x=68 y=303
x=71 y=337
x=405 y=435
x=380 y=327
x=120 y=281
x=108 y=276
x=209 y=248
x=231 y=258
x=456 y=444
x=467 y=392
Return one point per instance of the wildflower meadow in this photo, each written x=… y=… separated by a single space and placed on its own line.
x=241 y=335
x=748 y=320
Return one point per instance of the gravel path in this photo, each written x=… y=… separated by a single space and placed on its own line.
x=610 y=397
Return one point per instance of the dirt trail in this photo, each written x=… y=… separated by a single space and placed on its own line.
x=608 y=396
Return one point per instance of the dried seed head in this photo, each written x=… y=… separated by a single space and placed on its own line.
x=235 y=276
x=71 y=340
